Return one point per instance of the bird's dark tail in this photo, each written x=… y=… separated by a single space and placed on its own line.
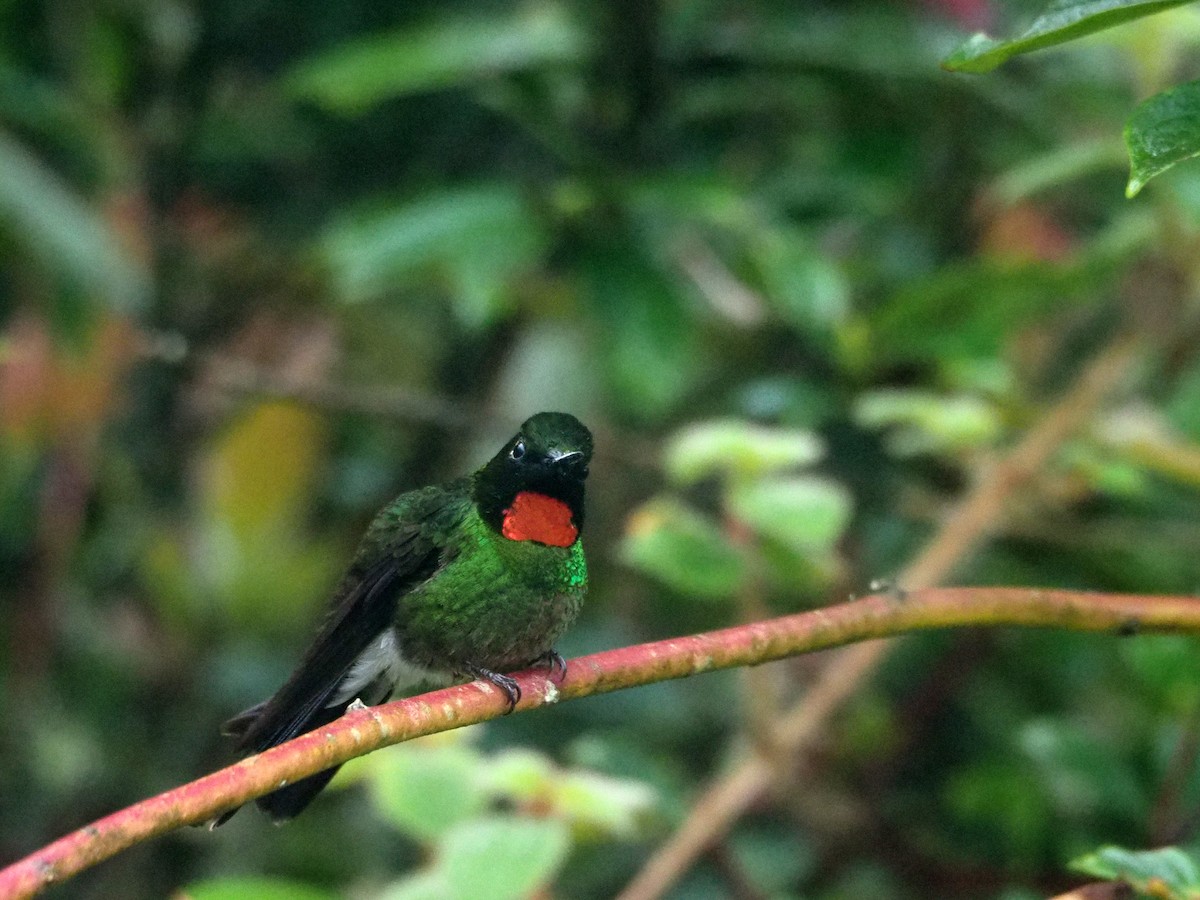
x=326 y=681
x=290 y=800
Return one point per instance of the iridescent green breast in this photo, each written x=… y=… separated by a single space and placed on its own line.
x=496 y=603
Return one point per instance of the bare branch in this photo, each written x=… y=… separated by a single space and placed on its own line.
x=360 y=732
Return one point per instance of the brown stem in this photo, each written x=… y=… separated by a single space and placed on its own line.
x=362 y=731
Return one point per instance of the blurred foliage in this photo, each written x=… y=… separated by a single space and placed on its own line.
x=1167 y=873
x=266 y=265
x=1163 y=130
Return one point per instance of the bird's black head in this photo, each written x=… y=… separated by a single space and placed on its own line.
x=548 y=457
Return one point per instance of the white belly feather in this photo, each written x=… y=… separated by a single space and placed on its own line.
x=383 y=668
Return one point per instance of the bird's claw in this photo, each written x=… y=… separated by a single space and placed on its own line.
x=553 y=660
x=506 y=684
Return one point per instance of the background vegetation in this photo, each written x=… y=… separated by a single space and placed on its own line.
x=266 y=264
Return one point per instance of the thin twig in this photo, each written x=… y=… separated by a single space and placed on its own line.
x=238 y=376
x=976 y=515
x=362 y=731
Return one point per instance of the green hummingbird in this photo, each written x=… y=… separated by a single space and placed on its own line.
x=472 y=578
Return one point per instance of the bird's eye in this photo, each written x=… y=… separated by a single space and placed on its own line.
x=517 y=451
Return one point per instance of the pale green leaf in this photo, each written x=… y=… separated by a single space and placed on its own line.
x=683 y=549
x=448 y=52
x=925 y=422
x=611 y=806
x=1062 y=21
x=426 y=885
x=65 y=232
x=584 y=799
x=738 y=448
x=502 y=857
x=1167 y=873
x=428 y=792
x=519 y=774
x=804 y=513
x=806 y=289
x=1163 y=131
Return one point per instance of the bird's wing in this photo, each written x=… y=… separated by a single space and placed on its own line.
x=367 y=606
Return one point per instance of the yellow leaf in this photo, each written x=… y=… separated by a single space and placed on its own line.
x=260 y=475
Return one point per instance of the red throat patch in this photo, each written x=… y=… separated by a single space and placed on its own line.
x=536 y=517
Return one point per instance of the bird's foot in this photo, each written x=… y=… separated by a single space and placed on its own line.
x=355 y=705
x=553 y=660
x=507 y=684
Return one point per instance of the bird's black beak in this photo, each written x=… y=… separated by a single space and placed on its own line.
x=565 y=459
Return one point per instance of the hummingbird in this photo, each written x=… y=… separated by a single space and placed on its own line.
x=469 y=579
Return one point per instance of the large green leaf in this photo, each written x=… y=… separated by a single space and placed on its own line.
x=738 y=448
x=1163 y=130
x=502 y=857
x=426 y=792
x=806 y=514
x=450 y=51
x=480 y=236
x=1062 y=21
x=683 y=549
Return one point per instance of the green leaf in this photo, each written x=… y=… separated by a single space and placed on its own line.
x=1168 y=667
x=1003 y=798
x=738 y=448
x=1062 y=21
x=600 y=804
x=519 y=774
x=481 y=236
x=609 y=806
x=925 y=422
x=426 y=792
x=63 y=230
x=1081 y=775
x=803 y=286
x=972 y=308
x=1055 y=168
x=419 y=886
x=683 y=549
x=773 y=858
x=805 y=514
x=1163 y=130
x=1168 y=873
x=502 y=857
x=652 y=356
x=253 y=889
x=445 y=53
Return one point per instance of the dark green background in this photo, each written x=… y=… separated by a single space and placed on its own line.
x=423 y=222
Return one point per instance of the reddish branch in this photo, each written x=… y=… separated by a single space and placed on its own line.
x=365 y=730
